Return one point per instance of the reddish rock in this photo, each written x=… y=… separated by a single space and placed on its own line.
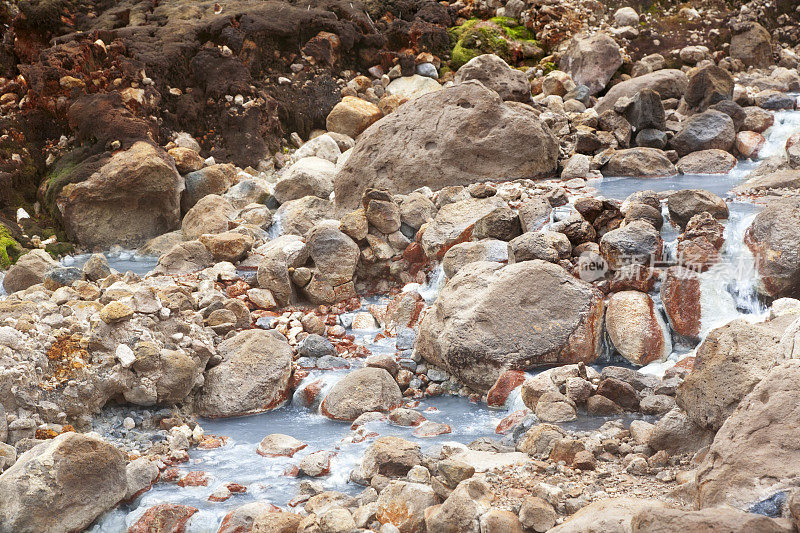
x=211 y=442
x=680 y=294
x=163 y=518
x=194 y=479
x=619 y=392
x=310 y=393
x=507 y=382
x=698 y=254
x=508 y=423
x=749 y=143
x=171 y=475
x=404 y=310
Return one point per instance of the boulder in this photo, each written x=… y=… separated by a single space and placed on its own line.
x=757 y=119
x=296 y=217
x=61 y=485
x=352 y=116
x=363 y=390
x=685 y=204
x=646 y=111
x=704 y=131
x=752 y=45
x=335 y=258
x=30 y=269
x=473 y=328
x=592 y=60
x=756 y=453
x=390 y=457
x=134 y=196
x=462 y=509
x=186 y=159
x=749 y=144
x=471 y=252
x=403 y=505
x=774 y=239
x=626 y=16
x=669 y=83
x=253 y=376
x=211 y=214
x=309 y=176
x=438 y=135
x=636 y=328
x=550 y=246
x=185 y=257
x=501 y=223
x=681 y=296
x=493 y=72
x=279 y=445
x=612 y=515
x=454 y=223
x=706 y=162
x=216 y=179
x=635 y=243
x=641 y=162
x=411 y=87
x=675 y=433
x=707 y=86
x=667 y=520
x=728 y=364
x=230 y=246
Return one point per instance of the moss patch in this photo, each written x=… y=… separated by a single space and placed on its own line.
x=74 y=167
x=10 y=249
x=502 y=36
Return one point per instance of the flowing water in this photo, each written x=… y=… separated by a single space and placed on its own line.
x=729 y=290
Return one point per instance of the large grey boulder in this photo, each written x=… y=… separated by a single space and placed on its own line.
x=310 y=175
x=490 y=318
x=61 y=485
x=640 y=162
x=134 y=196
x=668 y=83
x=774 y=239
x=707 y=86
x=457 y=136
x=495 y=74
x=728 y=364
x=361 y=391
x=752 y=44
x=756 y=452
x=707 y=130
x=29 y=269
x=253 y=376
x=592 y=60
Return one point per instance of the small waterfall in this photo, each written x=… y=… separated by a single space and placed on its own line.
x=786 y=123
x=275 y=229
x=436 y=280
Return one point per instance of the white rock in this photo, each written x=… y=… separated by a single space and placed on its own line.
x=413 y=86
x=125 y=355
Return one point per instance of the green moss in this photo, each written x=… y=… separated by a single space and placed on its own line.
x=500 y=36
x=548 y=67
x=10 y=249
x=60 y=176
x=59 y=249
x=513 y=29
